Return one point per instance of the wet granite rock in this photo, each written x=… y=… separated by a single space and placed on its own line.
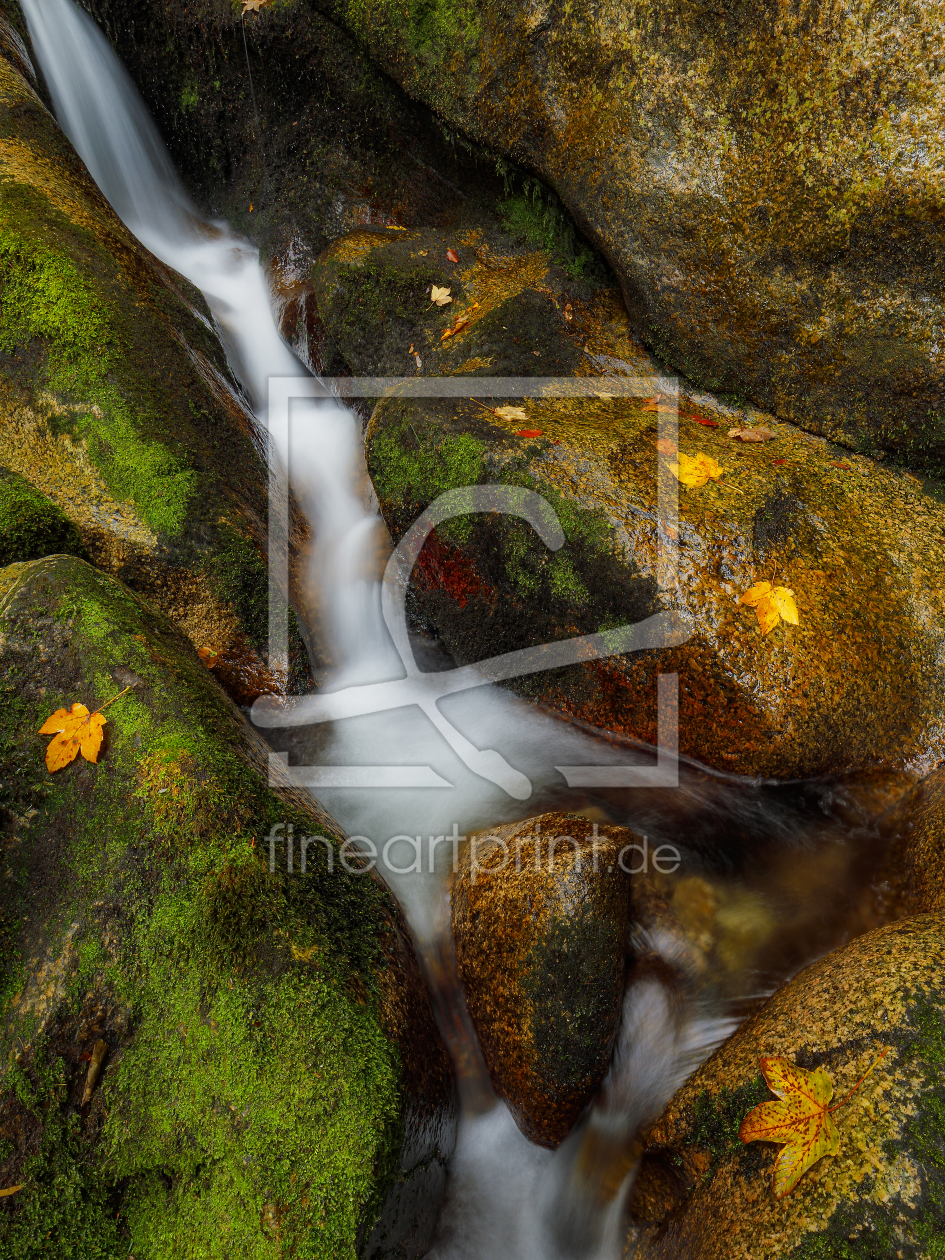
x=539 y=914
x=118 y=407
x=763 y=180
x=271 y=1075
x=856 y=684
x=700 y=1193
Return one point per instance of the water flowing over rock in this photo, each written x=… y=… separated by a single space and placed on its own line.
x=764 y=180
x=270 y=1061
x=854 y=685
x=125 y=437
x=702 y=1194
x=540 y=922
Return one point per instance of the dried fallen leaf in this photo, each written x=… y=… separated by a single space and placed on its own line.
x=452 y=255
x=422 y=253
x=695 y=470
x=97 y=1057
x=800 y=1118
x=509 y=413
x=10 y=1190
x=253 y=6
x=666 y=446
x=606 y=397
x=703 y=420
x=76 y=730
x=440 y=296
x=838 y=463
x=753 y=435
x=208 y=656
x=771 y=604
x=418 y=361
x=528 y=433
x=458 y=325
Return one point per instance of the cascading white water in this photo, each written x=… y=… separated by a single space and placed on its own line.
x=507 y=1198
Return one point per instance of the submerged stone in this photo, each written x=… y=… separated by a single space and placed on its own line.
x=269 y=1076
x=701 y=1193
x=539 y=913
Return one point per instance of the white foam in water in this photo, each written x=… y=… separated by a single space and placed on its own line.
x=507 y=1197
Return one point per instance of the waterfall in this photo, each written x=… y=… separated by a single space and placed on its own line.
x=507 y=1197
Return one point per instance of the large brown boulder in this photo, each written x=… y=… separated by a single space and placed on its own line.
x=539 y=912
x=855 y=684
x=702 y=1194
x=763 y=180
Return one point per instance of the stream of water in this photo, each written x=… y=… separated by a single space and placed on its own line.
x=506 y=1197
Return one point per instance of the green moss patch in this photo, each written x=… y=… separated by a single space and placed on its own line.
x=31 y=525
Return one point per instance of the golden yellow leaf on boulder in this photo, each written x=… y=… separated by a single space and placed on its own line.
x=695 y=470
x=771 y=604
x=800 y=1118
x=76 y=731
x=10 y=1190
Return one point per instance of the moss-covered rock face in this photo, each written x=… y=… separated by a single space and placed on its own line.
x=754 y=177
x=32 y=526
x=702 y=1194
x=854 y=685
x=117 y=404
x=539 y=913
x=271 y=1066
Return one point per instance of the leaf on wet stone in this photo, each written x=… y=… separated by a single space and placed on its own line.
x=758 y=434
x=10 y=1190
x=799 y=1119
x=440 y=296
x=529 y=433
x=703 y=420
x=694 y=471
x=452 y=255
x=511 y=413
x=76 y=730
x=666 y=446
x=771 y=604
x=458 y=325
x=253 y=6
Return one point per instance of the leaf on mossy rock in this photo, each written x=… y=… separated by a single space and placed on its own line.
x=253 y=6
x=800 y=1118
x=511 y=413
x=76 y=731
x=440 y=296
x=10 y=1190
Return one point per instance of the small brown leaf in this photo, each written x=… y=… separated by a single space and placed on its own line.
x=666 y=446
x=452 y=255
x=753 y=435
x=839 y=463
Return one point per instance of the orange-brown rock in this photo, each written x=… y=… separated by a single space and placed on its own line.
x=702 y=1194
x=540 y=923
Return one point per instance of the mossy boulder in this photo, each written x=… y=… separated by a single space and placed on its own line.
x=700 y=1193
x=32 y=526
x=272 y=1079
x=751 y=175
x=116 y=400
x=539 y=914
x=855 y=684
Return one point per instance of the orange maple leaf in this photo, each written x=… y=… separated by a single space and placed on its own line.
x=76 y=731
x=695 y=470
x=771 y=604
x=800 y=1118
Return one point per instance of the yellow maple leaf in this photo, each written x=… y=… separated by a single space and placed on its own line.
x=695 y=470
x=800 y=1119
x=253 y=6
x=439 y=296
x=76 y=731
x=511 y=413
x=771 y=604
